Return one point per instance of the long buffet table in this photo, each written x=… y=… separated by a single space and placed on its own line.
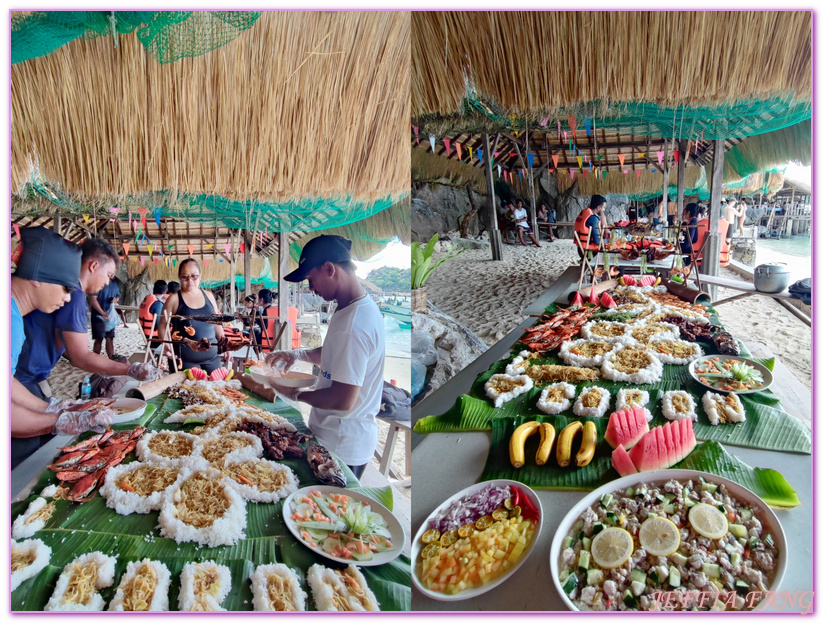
x=134 y=536
x=445 y=463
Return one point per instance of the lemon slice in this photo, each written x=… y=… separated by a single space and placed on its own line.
x=612 y=547
x=708 y=521
x=659 y=536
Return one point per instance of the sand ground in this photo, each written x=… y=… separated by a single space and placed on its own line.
x=488 y=296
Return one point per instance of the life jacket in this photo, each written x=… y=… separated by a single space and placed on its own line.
x=725 y=247
x=146 y=317
x=583 y=232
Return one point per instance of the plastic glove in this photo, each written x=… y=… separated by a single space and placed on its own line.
x=144 y=372
x=76 y=422
x=58 y=406
x=285 y=359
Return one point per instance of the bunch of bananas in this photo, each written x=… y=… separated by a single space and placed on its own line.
x=517 y=443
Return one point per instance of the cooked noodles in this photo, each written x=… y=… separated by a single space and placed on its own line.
x=41 y=514
x=567 y=374
x=82 y=581
x=215 y=450
x=147 y=479
x=20 y=558
x=631 y=360
x=202 y=501
x=138 y=593
x=280 y=593
x=257 y=474
x=170 y=445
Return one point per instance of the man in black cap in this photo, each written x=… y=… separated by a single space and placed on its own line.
x=349 y=390
x=48 y=270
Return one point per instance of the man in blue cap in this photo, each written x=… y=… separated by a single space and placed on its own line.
x=349 y=390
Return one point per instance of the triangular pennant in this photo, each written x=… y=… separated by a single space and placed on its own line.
x=585 y=173
x=209 y=246
x=677 y=155
x=115 y=211
x=190 y=247
x=17 y=231
x=157 y=213
x=133 y=259
x=621 y=158
x=447 y=142
x=565 y=136
x=640 y=154
x=498 y=170
x=580 y=161
x=573 y=125
x=625 y=171
x=660 y=158
x=530 y=158
x=242 y=247
x=126 y=246
x=206 y=262
x=155 y=261
x=555 y=158
x=143 y=221
x=142 y=211
x=142 y=260
x=638 y=173
x=480 y=156
x=150 y=247
x=544 y=121
x=227 y=247
x=432 y=141
x=571 y=172
x=471 y=156
x=86 y=217
x=587 y=123
x=457 y=146
x=604 y=174
x=174 y=262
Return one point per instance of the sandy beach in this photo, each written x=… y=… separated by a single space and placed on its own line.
x=488 y=296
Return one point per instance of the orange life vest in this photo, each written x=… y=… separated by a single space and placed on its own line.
x=146 y=317
x=583 y=232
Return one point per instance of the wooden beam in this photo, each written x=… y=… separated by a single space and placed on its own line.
x=681 y=175
x=283 y=290
x=712 y=244
x=249 y=241
x=494 y=233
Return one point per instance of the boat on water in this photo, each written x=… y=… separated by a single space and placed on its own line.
x=398 y=308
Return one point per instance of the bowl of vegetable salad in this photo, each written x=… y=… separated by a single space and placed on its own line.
x=344 y=525
x=476 y=540
x=731 y=374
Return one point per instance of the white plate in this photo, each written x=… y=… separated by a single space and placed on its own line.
x=289 y=379
x=398 y=536
x=765 y=514
x=767 y=374
x=474 y=592
x=128 y=409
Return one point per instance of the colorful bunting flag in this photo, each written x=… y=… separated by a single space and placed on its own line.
x=457 y=146
x=498 y=170
x=573 y=125
x=480 y=156
x=242 y=247
x=227 y=247
x=150 y=247
x=621 y=158
x=660 y=158
x=677 y=155
x=471 y=156
x=555 y=158
x=17 y=231
x=530 y=158
x=604 y=173
x=155 y=261
x=571 y=172
x=447 y=142
x=86 y=217
x=142 y=260
x=587 y=122
x=157 y=213
x=206 y=262
x=638 y=173
x=190 y=247
x=143 y=210
x=432 y=141
x=126 y=246
x=640 y=154
x=143 y=221
x=580 y=161
x=544 y=121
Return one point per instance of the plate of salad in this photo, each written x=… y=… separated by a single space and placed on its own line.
x=731 y=374
x=343 y=525
x=476 y=540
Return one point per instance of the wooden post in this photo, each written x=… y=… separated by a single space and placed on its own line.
x=711 y=257
x=532 y=198
x=249 y=243
x=283 y=290
x=232 y=267
x=494 y=233
x=681 y=176
x=58 y=224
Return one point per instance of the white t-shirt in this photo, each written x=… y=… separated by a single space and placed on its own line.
x=519 y=215
x=353 y=352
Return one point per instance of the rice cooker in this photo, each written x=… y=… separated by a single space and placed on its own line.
x=771 y=278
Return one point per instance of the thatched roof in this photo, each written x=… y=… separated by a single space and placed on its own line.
x=767 y=151
x=533 y=63
x=301 y=106
x=428 y=168
x=627 y=183
x=754 y=184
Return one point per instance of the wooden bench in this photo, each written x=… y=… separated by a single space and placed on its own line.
x=385 y=459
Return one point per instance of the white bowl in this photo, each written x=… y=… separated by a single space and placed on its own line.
x=768 y=377
x=288 y=379
x=128 y=409
x=765 y=514
x=474 y=592
x=398 y=536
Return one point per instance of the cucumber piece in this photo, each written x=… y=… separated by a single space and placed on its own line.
x=629 y=599
x=689 y=502
x=638 y=588
x=768 y=541
x=594 y=577
x=741 y=587
x=583 y=561
x=366 y=555
x=612 y=517
x=668 y=508
x=606 y=499
x=722 y=508
x=678 y=558
x=670 y=496
x=738 y=530
x=629 y=492
x=754 y=542
x=654 y=578
x=637 y=576
x=598 y=528
x=587 y=543
x=711 y=570
x=578 y=525
x=567 y=542
x=564 y=575
x=580 y=535
x=746 y=514
x=570 y=584
x=653 y=515
x=710 y=487
x=640 y=490
x=674 y=576
x=734 y=559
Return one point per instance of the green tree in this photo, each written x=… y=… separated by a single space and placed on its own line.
x=391 y=279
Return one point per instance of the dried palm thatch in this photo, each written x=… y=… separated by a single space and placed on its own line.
x=756 y=183
x=427 y=168
x=301 y=105
x=767 y=151
x=536 y=62
x=618 y=182
x=215 y=271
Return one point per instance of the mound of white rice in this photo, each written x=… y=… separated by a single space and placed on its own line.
x=662 y=348
x=517 y=366
x=255 y=494
x=671 y=400
x=647 y=331
x=567 y=352
x=521 y=384
x=216 y=590
x=22 y=528
x=227 y=529
x=32 y=547
x=160 y=597
x=325 y=585
x=594 y=330
x=105 y=578
x=629 y=397
x=49 y=492
x=252 y=450
x=723 y=409
x=202 y=412
x=145 y=453
x=272 y=420
x=260 y=589
x=677 y=312
x=597 y=411
x=552 y=407
x=651 y=373
x=127 y=502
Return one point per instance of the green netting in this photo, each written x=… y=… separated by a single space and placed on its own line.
x=167 y=35
x=735 y=120
x=265 y=278
x=700 y=189
x=312 y=214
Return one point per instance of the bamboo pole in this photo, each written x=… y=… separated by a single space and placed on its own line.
x=711 y=257
x=249 y=241
x=494 y=239
x=283 y=290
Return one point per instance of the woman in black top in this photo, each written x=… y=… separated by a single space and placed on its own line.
x=189 y=301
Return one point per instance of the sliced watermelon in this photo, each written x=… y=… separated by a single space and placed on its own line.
x=688 y=442
x=661 y=448
x=644 y=453
x=622 y=462
x=219 y=374
x=674 y=448
x=675 y=431
x=196 y=374
x=628 y=280
x=593 y=297
x=606 y=300
x=577 y=301
x=647 y=280
x=665 y=454
x=626 y=427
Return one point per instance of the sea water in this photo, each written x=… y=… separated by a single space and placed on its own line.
x=794 y=251
x=398 y=339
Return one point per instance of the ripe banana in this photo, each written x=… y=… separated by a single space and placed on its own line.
x=517 y=443
x=586 y=453
x=546 y=443
x=564 y=443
